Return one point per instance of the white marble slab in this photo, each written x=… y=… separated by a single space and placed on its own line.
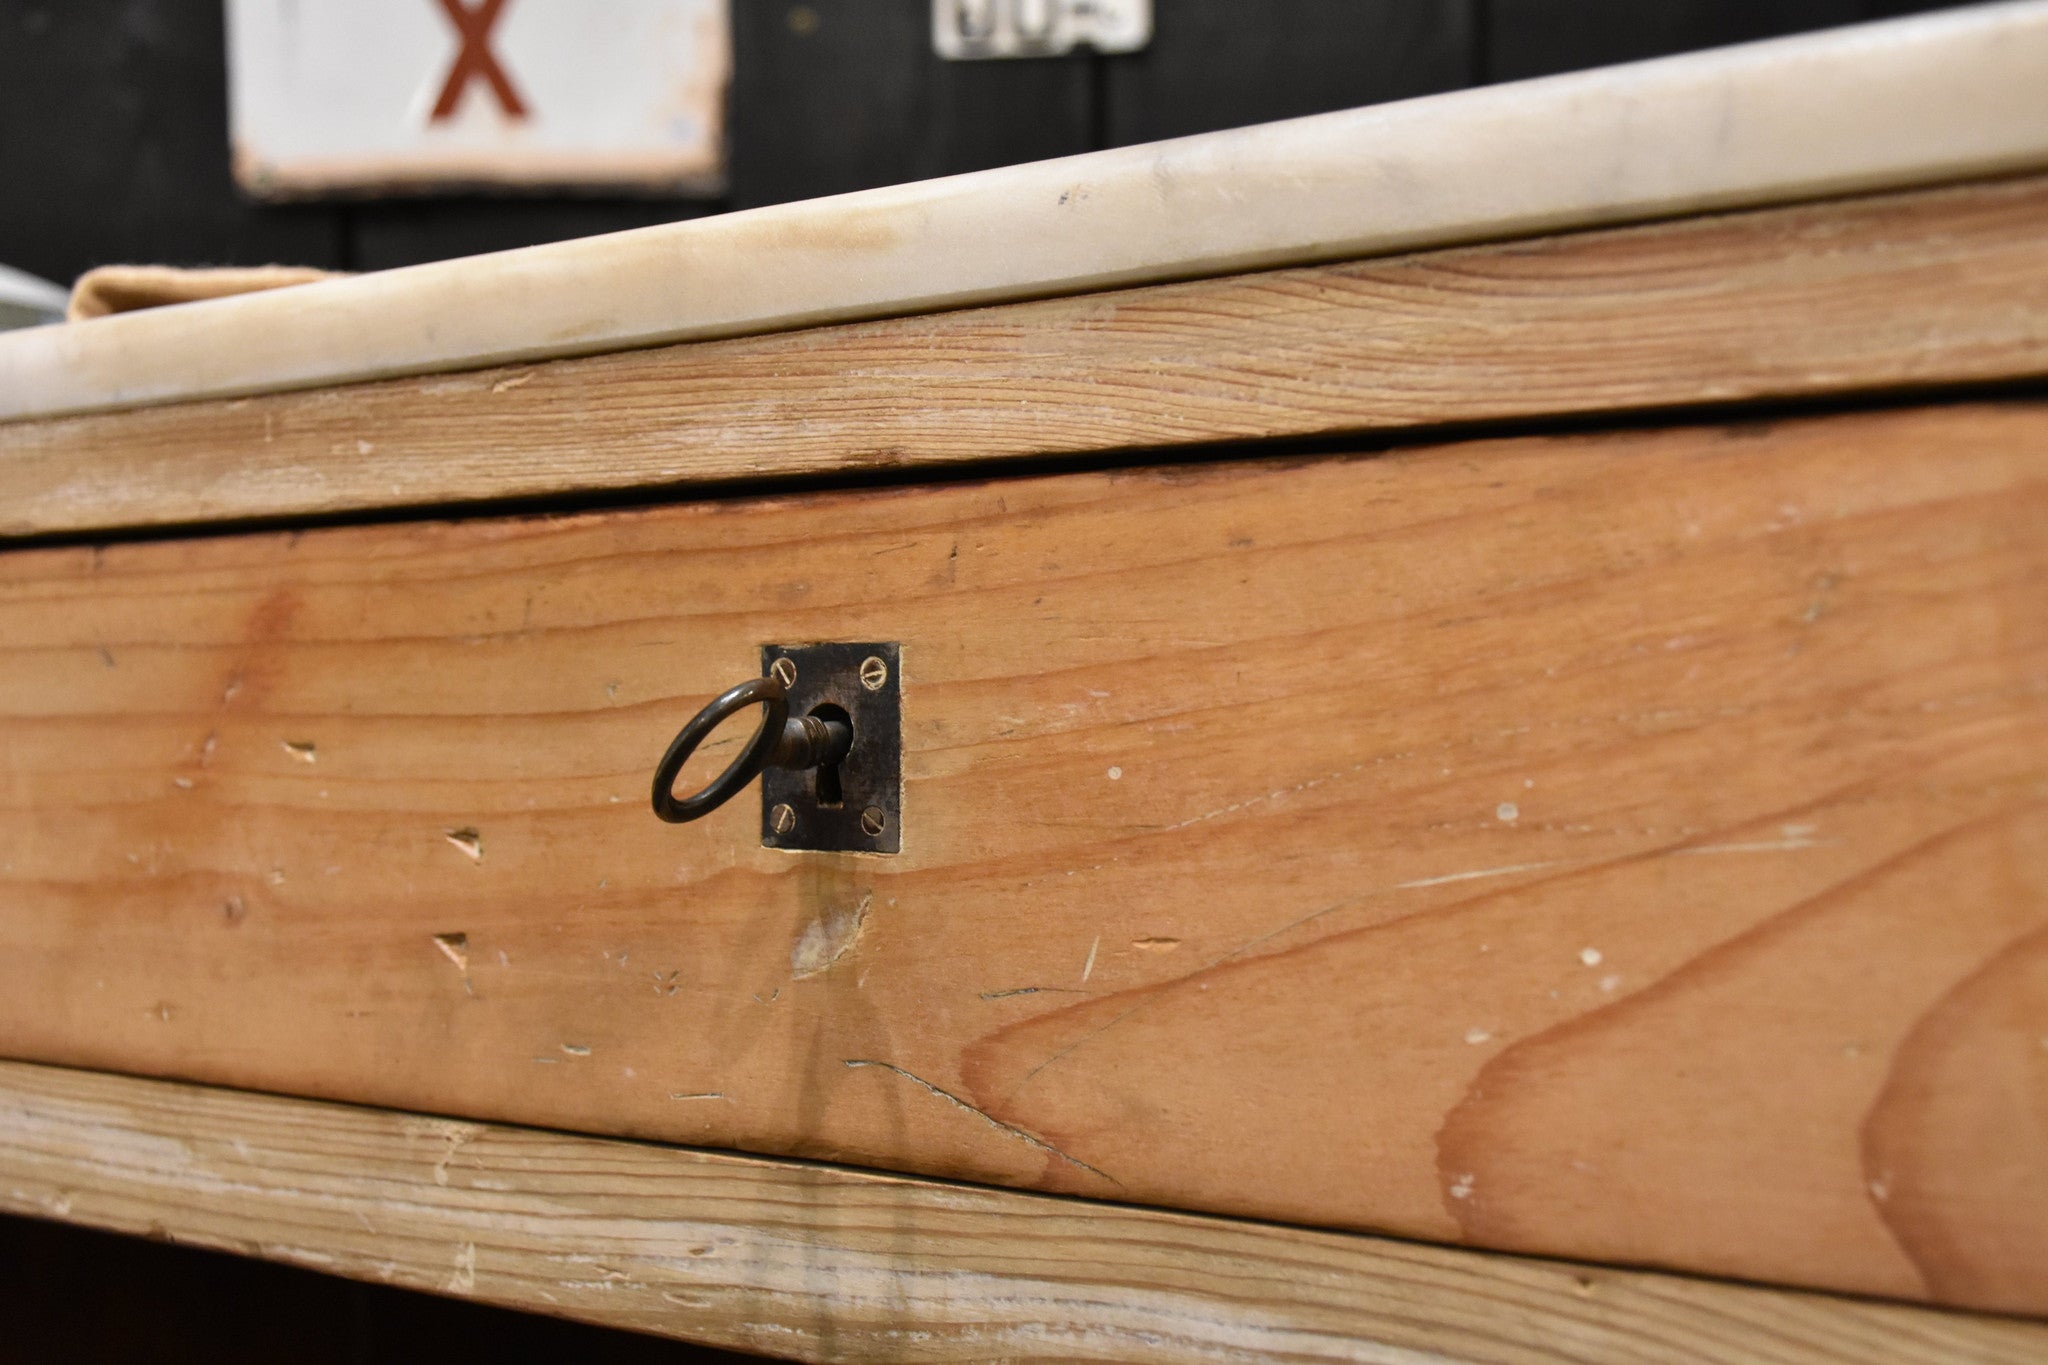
x=1939 y=97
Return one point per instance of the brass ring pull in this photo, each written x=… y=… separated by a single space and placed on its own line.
x=780 y=742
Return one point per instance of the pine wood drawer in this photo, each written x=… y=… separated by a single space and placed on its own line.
x=1623 y=845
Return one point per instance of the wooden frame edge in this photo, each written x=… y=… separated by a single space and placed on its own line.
x=1910 y=291
x=824 y=1263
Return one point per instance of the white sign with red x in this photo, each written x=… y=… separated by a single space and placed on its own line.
x=367 y=96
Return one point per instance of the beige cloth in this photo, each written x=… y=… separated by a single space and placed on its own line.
x=125 y=288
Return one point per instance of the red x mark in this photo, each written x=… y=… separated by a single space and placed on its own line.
x=473 y=26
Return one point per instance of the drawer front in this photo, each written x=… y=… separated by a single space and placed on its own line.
x=1628 y=845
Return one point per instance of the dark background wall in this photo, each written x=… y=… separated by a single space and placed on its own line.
x=113 y=113
x=69 y=1296
x=113 y=147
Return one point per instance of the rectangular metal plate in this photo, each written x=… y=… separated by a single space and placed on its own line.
x=866 y=682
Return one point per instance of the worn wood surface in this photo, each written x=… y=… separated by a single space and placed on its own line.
x=824 y=1263
x=1628 y=846
x=1938 y=287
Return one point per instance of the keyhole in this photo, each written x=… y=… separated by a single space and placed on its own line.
x=826 y=788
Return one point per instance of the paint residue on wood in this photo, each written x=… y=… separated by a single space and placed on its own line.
x=829 y=937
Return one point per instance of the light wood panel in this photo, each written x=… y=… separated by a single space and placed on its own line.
x=828 y=1264
x=1628 y=846
x=1939 y=287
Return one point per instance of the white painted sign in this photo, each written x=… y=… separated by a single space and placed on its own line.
x=379 y=95
x=971 y=30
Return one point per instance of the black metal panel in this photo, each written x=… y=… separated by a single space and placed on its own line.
x=400 y=232
x=867 y=817
x=836 y=95
x=114 y=145
x=1541 y=37
x=1224 y=63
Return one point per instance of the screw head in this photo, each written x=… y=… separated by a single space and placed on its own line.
x=873 y=673
x=785 y=671
x=873 y=821
x=782 y=819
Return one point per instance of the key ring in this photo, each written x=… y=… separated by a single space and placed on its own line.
x=806 y=742
x=774 y=698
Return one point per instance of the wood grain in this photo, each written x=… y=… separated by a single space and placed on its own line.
x=827 y=1264
x=1931 y=288
x=1623 y=846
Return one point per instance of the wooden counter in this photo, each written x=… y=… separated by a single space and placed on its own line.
x=1534 y=745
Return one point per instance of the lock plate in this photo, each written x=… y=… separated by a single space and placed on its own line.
x=865 y=681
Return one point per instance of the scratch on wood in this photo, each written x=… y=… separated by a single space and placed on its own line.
x=452 y=1134
x=1473 y=875
x=1033 y=990
x=1249 y=802
x=455 y=947
x=1790 y=844
x=463 y=1279
x=991 y=1120
x=829 y=938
